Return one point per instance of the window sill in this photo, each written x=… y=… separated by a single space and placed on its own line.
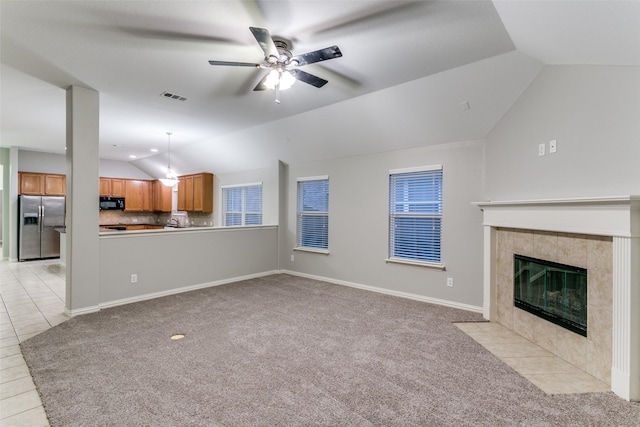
x=312 y=250
x=434 y=265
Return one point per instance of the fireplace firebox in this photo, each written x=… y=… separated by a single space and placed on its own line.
x=552 y=291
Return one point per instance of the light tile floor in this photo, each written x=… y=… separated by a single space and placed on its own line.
x=547 y=371
x=33 y=296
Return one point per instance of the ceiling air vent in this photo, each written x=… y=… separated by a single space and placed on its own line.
x=173 y=96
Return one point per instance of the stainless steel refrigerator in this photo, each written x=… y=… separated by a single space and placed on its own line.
x=38 y=220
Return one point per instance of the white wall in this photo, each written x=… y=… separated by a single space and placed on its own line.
x=270 y=181
x=167 y=262
x=594 y=114
x=118 y=169
x=36 y=161
x=358 y=223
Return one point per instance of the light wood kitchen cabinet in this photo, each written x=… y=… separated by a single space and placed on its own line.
x=55 y=185
x=144 y=227
x=133 y=195
x=153 y=227
x=147 y=199
x=137 y=194
x=135 y=227
x=42 y=184
x=195 y=192
x=113 y=187
x=182 y=197
x=185 y=193
x=161 y=195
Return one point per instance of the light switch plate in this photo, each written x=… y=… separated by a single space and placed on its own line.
x=553 y=147
x=541 y=149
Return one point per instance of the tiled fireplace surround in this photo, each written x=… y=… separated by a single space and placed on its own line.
x=595 y=253
x=600 y=234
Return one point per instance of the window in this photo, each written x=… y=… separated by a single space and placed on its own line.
x=415 y=215
x=313 y=213
x=242 y=205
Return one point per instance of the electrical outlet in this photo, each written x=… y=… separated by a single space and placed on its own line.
x=134 y=220
x=292 y=258
x=450 y=282
x=134 y=278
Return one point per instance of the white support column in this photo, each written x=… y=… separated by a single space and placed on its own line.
x=625 y=369
x=12 y=237
x=82 y=196
x=489 y=276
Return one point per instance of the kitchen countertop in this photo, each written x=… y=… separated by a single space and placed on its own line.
x=172 y=230
x=121 y=228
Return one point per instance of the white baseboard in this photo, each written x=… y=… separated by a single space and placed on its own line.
x=407 y=295
x=174 y=291
x=81 y=311
x=144 y=297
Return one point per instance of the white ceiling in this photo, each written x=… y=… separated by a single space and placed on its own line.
x=132 y=51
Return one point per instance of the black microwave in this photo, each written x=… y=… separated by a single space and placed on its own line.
x=111 y=203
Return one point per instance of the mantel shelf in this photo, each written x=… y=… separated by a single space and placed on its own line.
x=605 y=216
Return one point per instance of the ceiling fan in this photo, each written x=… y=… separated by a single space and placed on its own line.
x=283 y=65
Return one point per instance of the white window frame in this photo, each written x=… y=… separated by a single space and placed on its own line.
x=301 y=213
x=243 y=213
x=439 y=264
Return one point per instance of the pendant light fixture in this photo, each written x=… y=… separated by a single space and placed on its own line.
x=171 y=178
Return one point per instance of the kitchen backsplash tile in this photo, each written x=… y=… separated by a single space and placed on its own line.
x=195 y=219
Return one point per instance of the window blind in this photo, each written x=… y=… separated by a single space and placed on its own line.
x=415 y=215
x=313 y=213
x=242 y=205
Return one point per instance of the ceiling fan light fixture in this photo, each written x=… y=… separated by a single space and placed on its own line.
x=273 y=78
x=283 y=78
x=286 y=80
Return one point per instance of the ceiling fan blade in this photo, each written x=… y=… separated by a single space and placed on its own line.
x=235 y=64
x=260 y=86
x=308 y=78
x=368 y=16
x=175 y=36
x=265 y=41
x=317 y=56
x=343 y=78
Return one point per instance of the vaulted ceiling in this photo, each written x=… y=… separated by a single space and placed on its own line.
x=132 y=52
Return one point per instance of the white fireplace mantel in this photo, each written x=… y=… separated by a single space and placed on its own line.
x=602 y=216
x=618 y=217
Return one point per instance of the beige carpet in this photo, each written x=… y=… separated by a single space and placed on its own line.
x=287 y=351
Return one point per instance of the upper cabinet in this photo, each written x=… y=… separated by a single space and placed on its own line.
x=137 y=194
x=161 y=197
x=41 y=184
x=141 y=195
x=195 y=192
x=113 y=187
